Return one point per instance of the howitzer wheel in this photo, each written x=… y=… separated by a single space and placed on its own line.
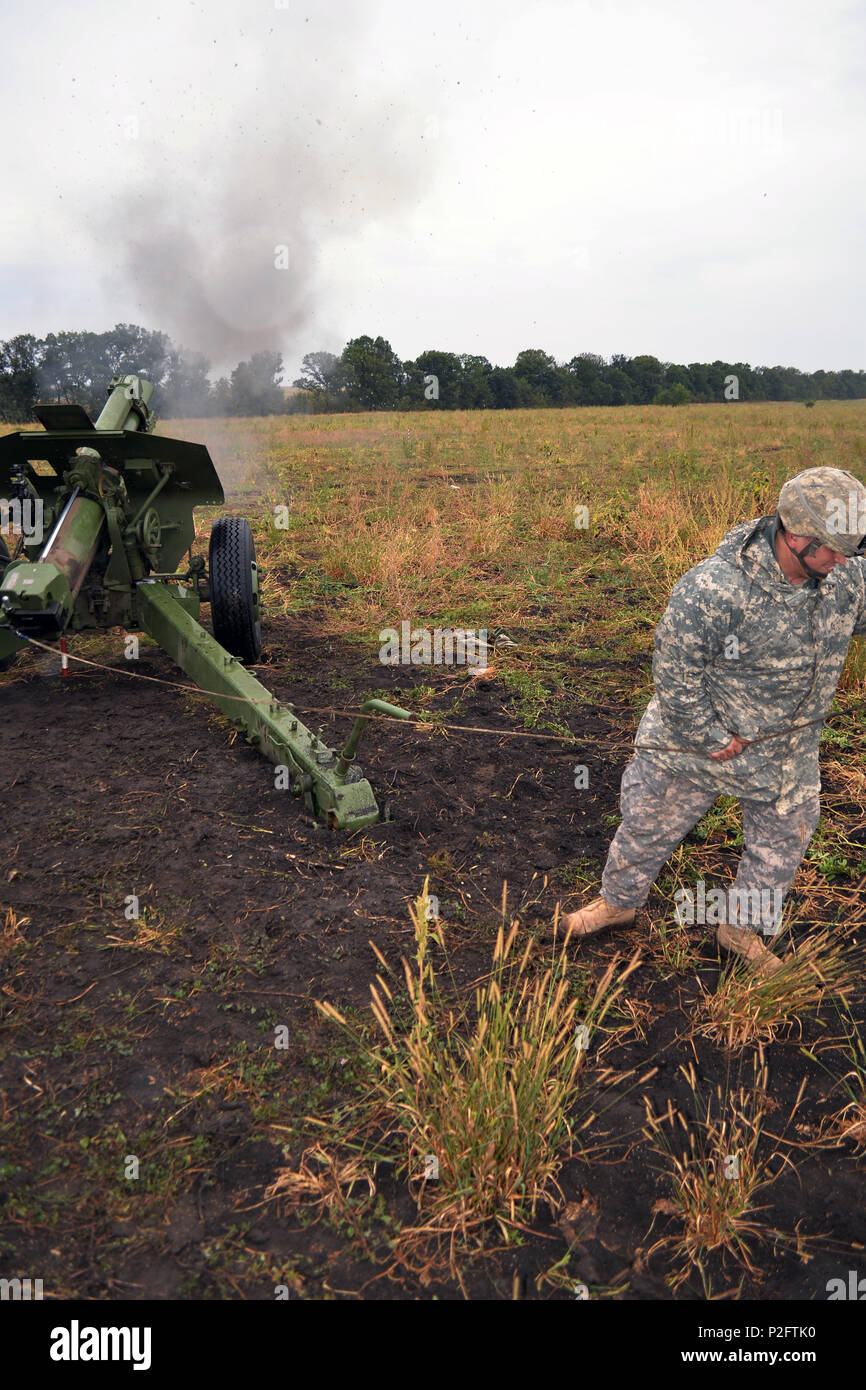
x=234 y=588
x=5 y=557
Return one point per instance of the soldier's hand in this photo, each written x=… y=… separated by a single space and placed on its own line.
x=735 y=746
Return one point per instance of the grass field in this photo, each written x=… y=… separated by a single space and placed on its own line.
x=364 y=1066
x=470 y=517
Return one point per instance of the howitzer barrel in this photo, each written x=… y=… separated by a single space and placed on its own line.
x=128 y=405
x=73 y=542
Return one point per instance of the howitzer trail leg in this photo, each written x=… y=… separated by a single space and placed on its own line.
x=342 y=800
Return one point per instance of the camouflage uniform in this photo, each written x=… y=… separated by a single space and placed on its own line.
x=659 y=809
x=739 y=650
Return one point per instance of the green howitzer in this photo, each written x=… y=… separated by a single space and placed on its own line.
x=104 y=520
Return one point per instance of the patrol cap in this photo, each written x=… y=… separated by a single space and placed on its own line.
x=828 y=504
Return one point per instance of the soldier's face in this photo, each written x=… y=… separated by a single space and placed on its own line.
x=824 y=559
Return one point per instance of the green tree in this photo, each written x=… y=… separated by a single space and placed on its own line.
x=621 y=390
x=127 y=349
x=78 y=366
x=323 y=381
x=537 y=370
x=673 y=395
x=504 y=388
x=675 y=375
x=373 y=373
x=585 y=374
x=647 y=375
x=433 y=380
x=255 y=385
x=699 y=376
x=72 y=370
x=20 y=360
x=319 y=372
x=474 y=391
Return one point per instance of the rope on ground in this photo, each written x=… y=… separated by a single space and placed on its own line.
x=419 y=723
x=419 y=720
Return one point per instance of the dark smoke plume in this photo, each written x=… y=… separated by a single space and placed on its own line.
x=218 y=236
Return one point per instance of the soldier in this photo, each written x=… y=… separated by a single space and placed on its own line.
x=752 y=642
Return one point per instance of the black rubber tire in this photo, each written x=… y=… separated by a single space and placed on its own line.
x=5 y=557
x=233 y=592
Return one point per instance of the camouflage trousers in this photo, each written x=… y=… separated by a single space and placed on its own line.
x=658 y=811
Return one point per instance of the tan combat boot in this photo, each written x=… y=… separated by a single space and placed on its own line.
x=597 y=916
x=741 y=941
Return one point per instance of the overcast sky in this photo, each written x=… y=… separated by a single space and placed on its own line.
x=673 y=178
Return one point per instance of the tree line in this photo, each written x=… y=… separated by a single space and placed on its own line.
x=77 y=366
x=369 y=375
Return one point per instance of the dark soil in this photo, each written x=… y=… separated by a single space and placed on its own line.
x=115 y=787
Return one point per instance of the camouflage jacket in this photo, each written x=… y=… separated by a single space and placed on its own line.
x=740 y=649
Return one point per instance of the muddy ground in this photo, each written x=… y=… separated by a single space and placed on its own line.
x=154 y=1038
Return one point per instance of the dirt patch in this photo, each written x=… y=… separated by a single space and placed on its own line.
x=151 y=1037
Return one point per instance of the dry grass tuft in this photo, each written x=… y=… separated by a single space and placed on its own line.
x=481 y=1099
x=853 y=677
x=849 y=1123
x=718 y=1174
x=327 y=1185
x=10 y=931
x=748 y=1008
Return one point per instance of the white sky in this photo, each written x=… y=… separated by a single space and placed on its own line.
x=675 y=178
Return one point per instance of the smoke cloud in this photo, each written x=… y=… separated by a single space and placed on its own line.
x=273 y=150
